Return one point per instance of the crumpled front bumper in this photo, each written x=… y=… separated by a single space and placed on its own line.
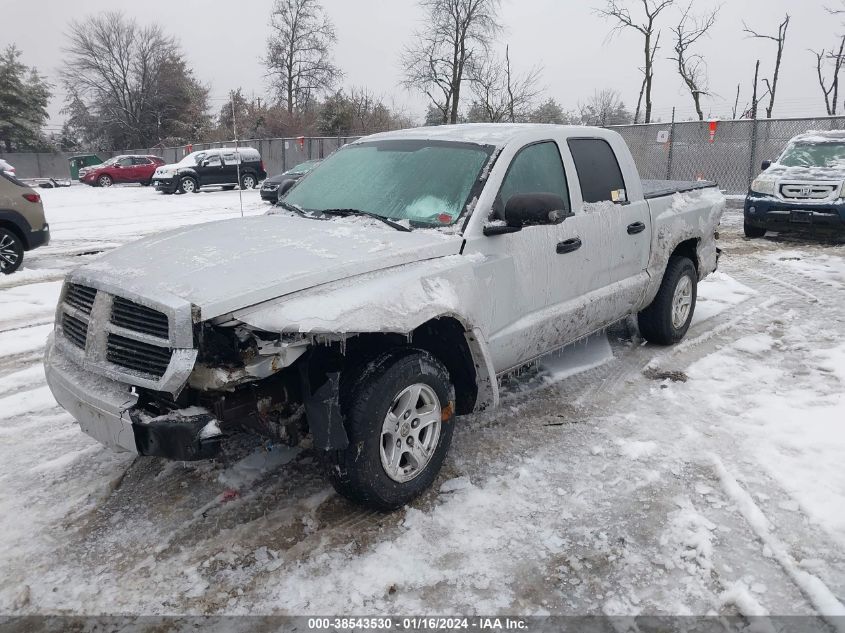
x=107 y=411
x=101 y=406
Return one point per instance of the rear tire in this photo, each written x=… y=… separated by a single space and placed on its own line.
x=752 y=231
x=667 y=319
x=11 y=252
x=248 y=181
x=397 y=443
x=188 y=185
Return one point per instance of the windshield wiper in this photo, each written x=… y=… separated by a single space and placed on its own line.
x=369 y=214
x=292 y=207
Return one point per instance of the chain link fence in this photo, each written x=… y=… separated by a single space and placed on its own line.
x=672 y=151
x=732 y=158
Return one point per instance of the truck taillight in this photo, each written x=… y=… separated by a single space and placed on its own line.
x=32 y=197
x=262 y=166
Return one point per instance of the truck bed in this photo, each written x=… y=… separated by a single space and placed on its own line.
x=660 y=188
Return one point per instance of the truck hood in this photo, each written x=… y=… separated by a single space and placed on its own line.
x=232 y=264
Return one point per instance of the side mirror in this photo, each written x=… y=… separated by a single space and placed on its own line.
x=766 y=164
x=285 y=187
x=530 y=209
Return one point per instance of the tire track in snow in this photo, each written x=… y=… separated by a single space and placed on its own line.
x=816 y=591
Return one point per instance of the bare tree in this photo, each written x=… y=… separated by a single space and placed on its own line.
x=736 y=102
x=604 y=108
x=616 y=10
x=129 y=82
x=691 y=66
x=500 y=94
x=780 y=40
x=299 y=53
x=830 y=90
x=456 y=36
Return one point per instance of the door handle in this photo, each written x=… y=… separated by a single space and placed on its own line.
x=636 y=227
x=568 y=246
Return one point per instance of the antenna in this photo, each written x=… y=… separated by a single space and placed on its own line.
x=237 y=152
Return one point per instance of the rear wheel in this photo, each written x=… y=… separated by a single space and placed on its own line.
x=753 y=231
x=399 y=418
x=248 y=181
x=11 y=252
x=188 y=185
x=668 y=318
x=104 y=180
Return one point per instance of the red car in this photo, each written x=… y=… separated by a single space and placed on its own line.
x=122 y=169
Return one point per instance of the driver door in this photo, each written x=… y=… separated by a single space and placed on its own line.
x=538 y=283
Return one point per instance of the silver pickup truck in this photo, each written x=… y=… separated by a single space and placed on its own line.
x=382 y=297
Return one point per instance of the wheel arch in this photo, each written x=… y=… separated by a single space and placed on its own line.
x=16 y=224
x=689 y=249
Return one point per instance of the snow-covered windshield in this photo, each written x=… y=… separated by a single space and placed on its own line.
x=814 y=155
x=426 y=182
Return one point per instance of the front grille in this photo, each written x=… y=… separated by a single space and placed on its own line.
x=135 y=355
x=132 y=316
x=80 y=297
x=807 y=192
x=75 y=330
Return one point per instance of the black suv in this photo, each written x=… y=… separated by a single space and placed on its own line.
x=211 y=167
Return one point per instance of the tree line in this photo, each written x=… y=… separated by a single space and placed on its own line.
x=131 y=86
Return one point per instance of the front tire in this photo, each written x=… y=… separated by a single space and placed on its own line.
x=104 y=181
x=753 y=231
x=667 y=319
x=188 y=185
x=11 y=252
x=248 y=181
x=399 y=419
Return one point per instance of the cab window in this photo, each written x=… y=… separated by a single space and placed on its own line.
x=598 y=170
x=230 y=158
x=125 y=162
x=537 y=168
x=212 y=160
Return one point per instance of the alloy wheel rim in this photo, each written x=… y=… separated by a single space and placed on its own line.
x=188 y=186
x=249 y=183
x=8 y=252
x=681 y=302
x=105 y=181
x=410 y=433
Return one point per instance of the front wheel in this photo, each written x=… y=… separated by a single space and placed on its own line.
x=753 y=231
x=668 y=318
x=188 y=185
x=399 y=419
x=11 y=252
x=248 y=181
x=104 y=181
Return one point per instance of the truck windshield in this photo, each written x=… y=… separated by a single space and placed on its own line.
x=814 y=155
x=424 y=181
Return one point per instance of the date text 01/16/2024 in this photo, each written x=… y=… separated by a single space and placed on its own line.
x=417 y=623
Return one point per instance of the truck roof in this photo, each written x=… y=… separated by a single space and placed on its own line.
x=498 y=134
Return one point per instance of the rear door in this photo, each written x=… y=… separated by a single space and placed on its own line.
x=142 y=168
x=230 y=167
x=625 y=224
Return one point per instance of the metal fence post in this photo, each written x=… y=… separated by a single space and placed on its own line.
x=671 y=147
x=751 y=170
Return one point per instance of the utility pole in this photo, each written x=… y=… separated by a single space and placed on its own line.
x=237 y=154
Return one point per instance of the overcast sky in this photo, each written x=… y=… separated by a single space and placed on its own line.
x=225 y=41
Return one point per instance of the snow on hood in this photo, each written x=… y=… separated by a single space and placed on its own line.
x=223 y=266
x=781 y=172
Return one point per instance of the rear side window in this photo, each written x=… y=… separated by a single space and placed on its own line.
x=598 y=170
x=536 y=169
x=138 y=160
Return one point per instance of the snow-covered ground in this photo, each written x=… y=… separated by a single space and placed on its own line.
x=617 y=477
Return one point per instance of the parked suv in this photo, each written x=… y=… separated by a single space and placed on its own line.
x=121 y=169
x=212 y=167
x=22 y=223
x=802 y=189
